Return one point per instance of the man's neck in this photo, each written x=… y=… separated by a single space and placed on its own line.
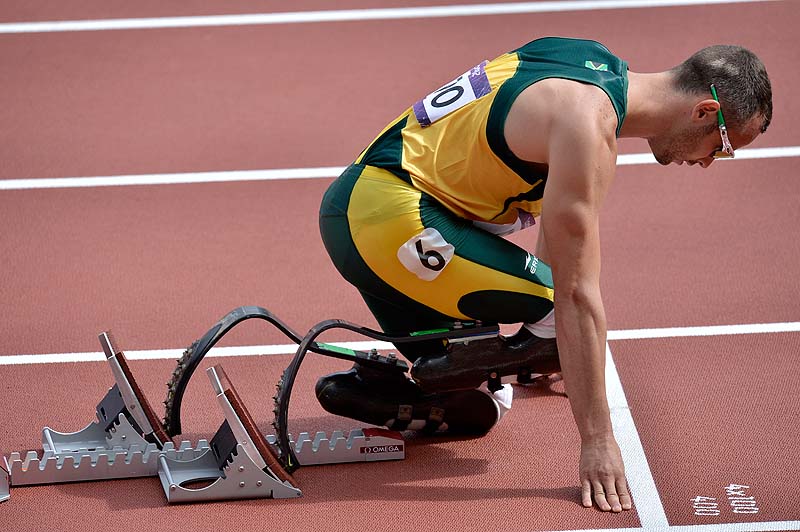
x=652 y=104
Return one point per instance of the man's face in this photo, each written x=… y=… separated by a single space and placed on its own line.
x=694 y=143
x=685 y=143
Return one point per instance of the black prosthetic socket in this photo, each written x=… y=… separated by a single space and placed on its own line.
x=468 y=365
x=392 y=400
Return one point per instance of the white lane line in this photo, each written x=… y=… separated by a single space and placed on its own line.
x=717 y=527
x=640 y=479
x=297 y=173
x=287 y=349
x=172 y=179
x=163 y=354
x=351 y=15
x=753 y=153
x=711 y=330
x=739 y=527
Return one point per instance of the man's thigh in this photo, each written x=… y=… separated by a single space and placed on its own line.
x=412 y=251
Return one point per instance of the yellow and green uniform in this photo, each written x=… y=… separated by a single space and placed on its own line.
x=398 y=222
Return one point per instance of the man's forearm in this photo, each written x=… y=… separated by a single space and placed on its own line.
x=581 y=334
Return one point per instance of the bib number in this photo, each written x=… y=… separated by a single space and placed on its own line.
x=468 y=87
x=426 y=254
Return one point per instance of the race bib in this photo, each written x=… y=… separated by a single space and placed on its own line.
x=466 y=88
x=426 y=254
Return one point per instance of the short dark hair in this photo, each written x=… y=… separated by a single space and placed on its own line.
x=738 y=75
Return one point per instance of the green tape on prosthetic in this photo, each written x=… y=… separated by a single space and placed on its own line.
x=337 y=349
x=431 y=331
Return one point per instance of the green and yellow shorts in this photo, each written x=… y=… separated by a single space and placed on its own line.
x=417 y=265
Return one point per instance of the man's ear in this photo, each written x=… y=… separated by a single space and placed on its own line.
x=705 y=111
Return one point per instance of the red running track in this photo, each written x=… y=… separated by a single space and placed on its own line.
x=160 y=264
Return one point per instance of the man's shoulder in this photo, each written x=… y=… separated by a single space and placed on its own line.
x=559 y=107
x=570 y=101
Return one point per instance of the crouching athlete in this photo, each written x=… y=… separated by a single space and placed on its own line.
x=417 y=225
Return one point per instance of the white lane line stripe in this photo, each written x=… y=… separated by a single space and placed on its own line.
x=297 y=173
x=163 y=354
x=753 y=153
x=287 y=349
x=711 y=330
x=640 y=479
x=350 y=15
x=172 y=179
x=717 y=527
x=739 y=527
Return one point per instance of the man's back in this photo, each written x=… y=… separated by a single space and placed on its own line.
x=452 y=145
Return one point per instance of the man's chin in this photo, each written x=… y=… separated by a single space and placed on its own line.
x=664 y=161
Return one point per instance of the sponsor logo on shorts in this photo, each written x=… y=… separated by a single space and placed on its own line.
x=380 y=449
x=531 y=263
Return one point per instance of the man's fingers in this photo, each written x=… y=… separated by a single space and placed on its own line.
x=612 y=494
x=624 y=496
x=614 y=501
x=586 y=494
x=600 y=496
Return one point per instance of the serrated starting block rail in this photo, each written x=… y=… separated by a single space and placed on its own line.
x=358 y=445
x=242 y=478
x=239 y=462
x=78 y=457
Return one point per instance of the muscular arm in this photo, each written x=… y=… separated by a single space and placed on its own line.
x=580 y=148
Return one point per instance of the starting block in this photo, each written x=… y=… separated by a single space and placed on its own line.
x=240 y=464
x=5 y=483
x=128 y=441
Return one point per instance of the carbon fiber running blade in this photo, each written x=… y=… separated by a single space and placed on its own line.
x=187 y=364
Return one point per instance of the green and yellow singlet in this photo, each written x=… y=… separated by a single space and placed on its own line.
x=450 y=144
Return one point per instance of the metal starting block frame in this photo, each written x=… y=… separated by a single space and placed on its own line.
x=240 y=464
x=127 y=442
x=5 y=482
x=357 y=445
x=78 y=456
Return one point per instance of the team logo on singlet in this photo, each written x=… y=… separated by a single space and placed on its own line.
x=426 y=254
x=596 y=66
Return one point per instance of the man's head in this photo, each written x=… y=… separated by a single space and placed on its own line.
x=743 y=95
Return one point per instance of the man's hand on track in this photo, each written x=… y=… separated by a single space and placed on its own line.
x=602 y=475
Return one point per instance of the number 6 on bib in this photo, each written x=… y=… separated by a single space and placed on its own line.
x=426 y=254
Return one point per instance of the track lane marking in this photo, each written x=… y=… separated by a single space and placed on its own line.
x=345 y=15
x=641 y=483
x=300 y=173
x=717 y=527
x=710 y=330
x=288 y=349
